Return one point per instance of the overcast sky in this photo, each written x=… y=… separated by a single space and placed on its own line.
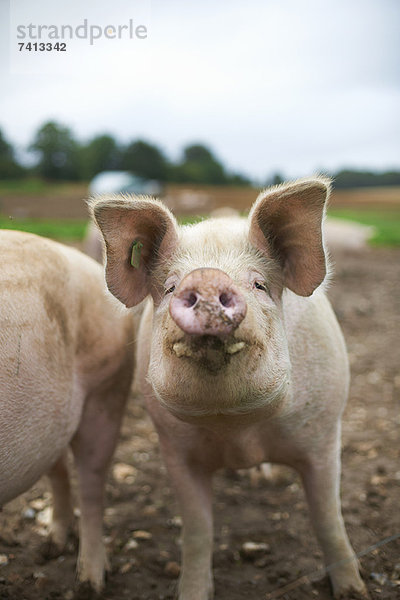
x=270 y=85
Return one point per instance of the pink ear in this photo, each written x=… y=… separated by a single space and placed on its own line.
x=286 y=223
x=138 y=232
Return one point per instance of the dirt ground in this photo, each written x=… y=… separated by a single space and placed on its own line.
x=142 y=525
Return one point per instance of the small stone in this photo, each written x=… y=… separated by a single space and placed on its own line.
x=140 y=534
x=38 y=575
x=378 y=480
x=69 y=594
x=172 y=569
x=254 y=549
x=131 y=545
x=380 y=578
x=29 y=514
x=149 y=511
x=38 y=504
x=124 y=473
x=276 y=516
x=175 y=521
x=3 y=560
x=44 y=516
x=126 y=567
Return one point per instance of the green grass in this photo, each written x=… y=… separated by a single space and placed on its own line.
x=65 y=229
x=386 y=223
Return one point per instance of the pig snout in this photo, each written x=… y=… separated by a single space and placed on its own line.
x=207 y=302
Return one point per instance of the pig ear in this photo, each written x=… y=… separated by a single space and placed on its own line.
x=286 y=223
x=138 y=232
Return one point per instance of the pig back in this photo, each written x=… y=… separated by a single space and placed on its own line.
x=36 y=359
x=52 y=348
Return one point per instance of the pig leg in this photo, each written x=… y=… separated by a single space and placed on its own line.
x=321 y=480
x=193 y=490
x=93 y=447
x=62 y=518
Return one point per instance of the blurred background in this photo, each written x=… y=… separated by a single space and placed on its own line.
x=217 y=101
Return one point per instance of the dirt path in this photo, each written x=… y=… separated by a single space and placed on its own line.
x=366 y=296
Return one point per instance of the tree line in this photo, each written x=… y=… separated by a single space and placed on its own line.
x=58 y=156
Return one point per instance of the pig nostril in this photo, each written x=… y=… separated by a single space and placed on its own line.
x=225 y=299
x=190 y=300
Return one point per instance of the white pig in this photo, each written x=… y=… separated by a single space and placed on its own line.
x=240 y=356
x=66 y=362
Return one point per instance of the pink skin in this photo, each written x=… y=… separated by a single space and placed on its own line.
x=66 y=360
x=237 y=370
x=208 y=303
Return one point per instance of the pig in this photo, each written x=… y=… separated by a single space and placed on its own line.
x=66 y=364
x=240 y=357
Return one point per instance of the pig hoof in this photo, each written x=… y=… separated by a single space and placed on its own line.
x=91 y=570
x=359 y=593
x=195 y=592
x=50 y=549
x=85 y=591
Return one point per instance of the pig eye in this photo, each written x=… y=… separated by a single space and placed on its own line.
x=170 y=290
x=260 y=286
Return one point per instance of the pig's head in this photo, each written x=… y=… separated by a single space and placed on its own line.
x=218 y=339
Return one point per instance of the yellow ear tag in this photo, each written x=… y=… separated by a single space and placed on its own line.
x=135 y=256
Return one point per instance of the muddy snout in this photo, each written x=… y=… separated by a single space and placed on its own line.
x=207 y=302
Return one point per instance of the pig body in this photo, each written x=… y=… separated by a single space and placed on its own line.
x=238 y=362
x=65 y=372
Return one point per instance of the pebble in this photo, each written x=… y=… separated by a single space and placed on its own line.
x=38 y=575
x=140 y=534
x=380 y=578
x=38 y=504
x=44 y=516
x=278 y=516
x=149 y=511
x=3 y=560
x=131 y=545
x=122 y=472
x=126 y=567
x=378 y=480
x=175 y=521
x=254 y=549
x=29 y=513
x=172 y=569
